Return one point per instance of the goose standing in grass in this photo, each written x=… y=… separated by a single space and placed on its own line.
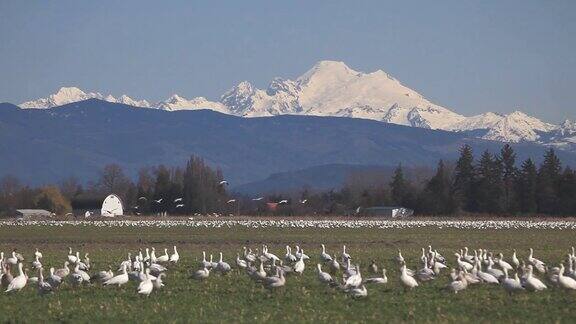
x=378 y=280
x=63 y=272
x=156 y=269
x=324 y=277
x=499 y=274
x=145 y=287
x=85 y=276
x=276 y=282
x=268 y=255
x=354 y=280
x=205 y=263
x=484 y=276
x=158 y=283
x=300 y=253
x=222 y=266
x=299 y=266
x=563 y=281
x=532 y=283
x=334 y=266
x=358 y=292
x=539 y=265
x=84 y=265
x=13 y=260
x=241 y=263
x=38 y=254
x=72 y=258
x=36 y=263
x=119 y=280
x=503 y=264
x=425 y=274
x=175 y=257
x=463 y=264
x=325 y=257
x=54 y=280
x=345 y=256
x=153 y=255
x=102 y=276
x=201 y=274
x=459 y=284
x=407 y=281
x=289 y=257
x=163 y=258
x=43 y=287
x=19 y=281
x=511 y=285
x=399 y=258
x=515 y=260
x=6 y=275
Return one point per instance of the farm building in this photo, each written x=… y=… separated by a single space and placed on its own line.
x=32 y=213
x=389 y=212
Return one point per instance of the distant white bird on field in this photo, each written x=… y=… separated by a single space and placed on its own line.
x=118 y=280
x=145 y=287
x=163 y=258
x=325 y=257
x=378 y=280
x=324 y=277
x=407 y=281
x=19 y=281
x=175 y=256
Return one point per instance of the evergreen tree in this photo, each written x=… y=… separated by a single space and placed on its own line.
x=567 y=193
x=464 y=179
x=527 y=187
x=399 y=188
x=509 y=174
x=436 y=198
x=549 y=183
x=489 y=189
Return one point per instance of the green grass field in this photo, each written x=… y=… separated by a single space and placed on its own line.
x=237 y=298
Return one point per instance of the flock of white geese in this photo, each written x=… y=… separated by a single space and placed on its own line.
x=338 y=271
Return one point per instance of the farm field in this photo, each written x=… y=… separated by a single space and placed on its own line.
x=238 y=298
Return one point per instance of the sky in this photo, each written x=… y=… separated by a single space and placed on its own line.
x=469 y=56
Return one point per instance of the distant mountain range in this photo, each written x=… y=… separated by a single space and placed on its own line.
x=78 y=139
x=333 y=89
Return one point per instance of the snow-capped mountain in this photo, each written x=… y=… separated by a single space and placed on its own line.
x=513 y=127
x=175 y=102
x=67 y=95
x=331 y=88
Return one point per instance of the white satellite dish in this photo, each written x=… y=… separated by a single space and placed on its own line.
x=112 y=206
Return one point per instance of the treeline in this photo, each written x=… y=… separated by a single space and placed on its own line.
x=493 y=184
x=489 y=184
x=194 y=188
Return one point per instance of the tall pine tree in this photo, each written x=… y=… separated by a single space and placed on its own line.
x=509 y=174
x=489 y=190
x=549 y=183
x=436 y=198
x=527 y=187
x=464 y=179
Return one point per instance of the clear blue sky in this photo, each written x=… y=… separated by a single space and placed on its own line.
x=471 y=56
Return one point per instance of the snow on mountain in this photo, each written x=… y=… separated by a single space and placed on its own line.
x=67 y=95
x=513 y=127
x=176 y=102
x=63 y=96
x=332 y=88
